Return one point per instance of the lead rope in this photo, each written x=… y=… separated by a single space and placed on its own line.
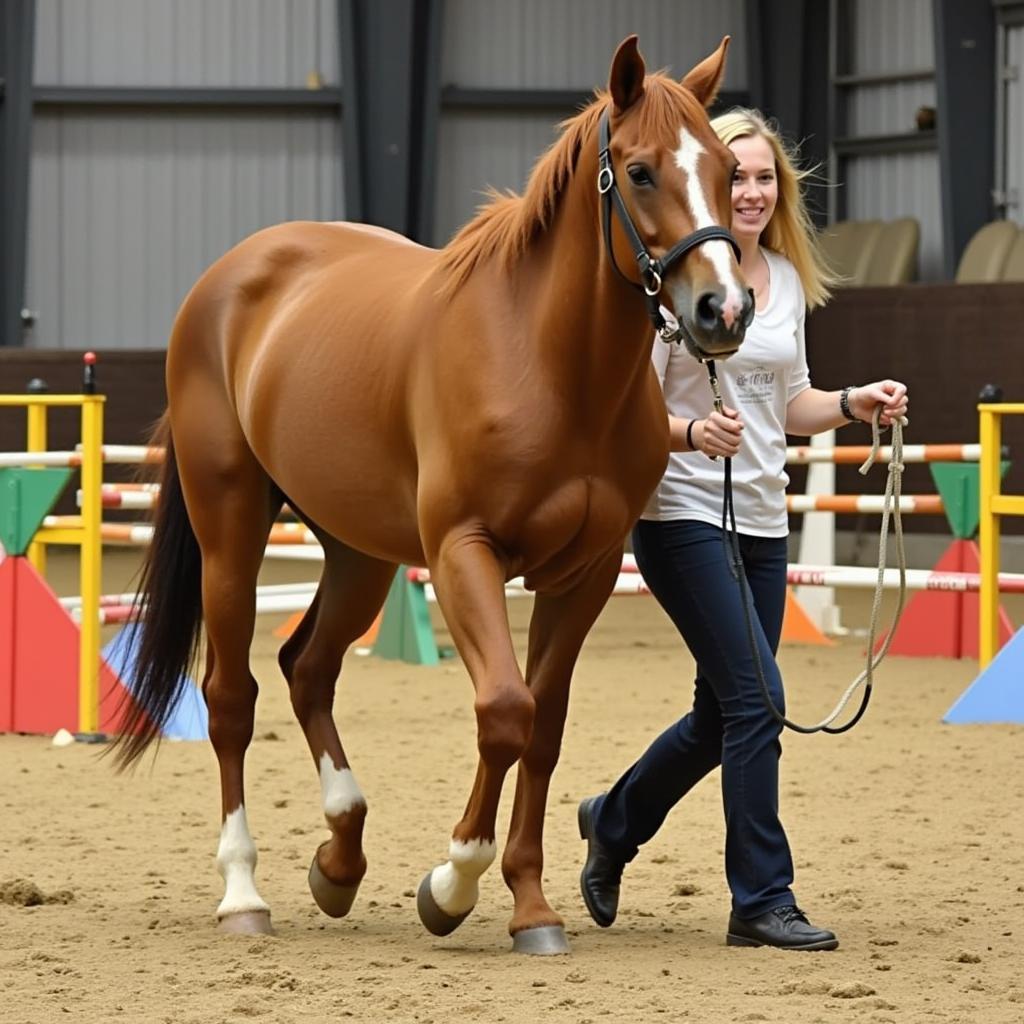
x=890 y=502
x=893 y=490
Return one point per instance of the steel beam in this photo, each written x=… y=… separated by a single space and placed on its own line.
x=17 y=47
x=390 y=63
x=62 y=97
x=965 y=81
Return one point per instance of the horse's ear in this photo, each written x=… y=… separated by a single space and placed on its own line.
x=626 y=81
x=705 y=79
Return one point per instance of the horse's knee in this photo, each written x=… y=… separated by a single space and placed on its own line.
x=504 y=726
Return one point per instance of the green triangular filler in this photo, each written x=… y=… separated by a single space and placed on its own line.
x=957 y=483
x=406 y=633
x=26 y=496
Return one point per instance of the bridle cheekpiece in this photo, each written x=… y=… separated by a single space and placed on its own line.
x=652 y=270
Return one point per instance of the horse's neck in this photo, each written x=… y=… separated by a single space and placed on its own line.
x=593 y=327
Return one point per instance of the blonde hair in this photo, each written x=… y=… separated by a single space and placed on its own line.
x=791 y=231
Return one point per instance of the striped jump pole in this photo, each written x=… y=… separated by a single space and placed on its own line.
x=109 y=454
x=951 y=467
x=802 y=455
x=141 y=534
x=909 y=504
x=866 y=578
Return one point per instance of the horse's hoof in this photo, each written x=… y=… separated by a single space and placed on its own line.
x=434 y=919
x=549 y=940
x=333 y=899
x=248 y=922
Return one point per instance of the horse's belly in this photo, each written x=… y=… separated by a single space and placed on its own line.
x=370 y=514
x=322 y=412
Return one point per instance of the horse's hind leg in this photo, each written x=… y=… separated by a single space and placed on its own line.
x=352 y=589
x=231 y=504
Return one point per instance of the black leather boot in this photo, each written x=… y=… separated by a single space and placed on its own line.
x=602 y=873
x=783 y=927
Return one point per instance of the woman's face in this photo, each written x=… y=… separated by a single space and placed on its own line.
x=755 y=189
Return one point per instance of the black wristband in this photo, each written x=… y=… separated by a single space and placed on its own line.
x=844 y=404
x=689 y=436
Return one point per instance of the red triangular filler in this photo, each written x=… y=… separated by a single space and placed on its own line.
x=39 y=660
x=942 y=623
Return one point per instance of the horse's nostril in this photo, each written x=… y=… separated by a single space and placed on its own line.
x=709 y=310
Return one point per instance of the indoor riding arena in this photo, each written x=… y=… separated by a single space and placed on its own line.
x=140 y=142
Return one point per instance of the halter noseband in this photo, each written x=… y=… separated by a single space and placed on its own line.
x=652 y=270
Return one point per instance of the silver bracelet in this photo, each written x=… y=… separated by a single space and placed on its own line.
x=844 y=403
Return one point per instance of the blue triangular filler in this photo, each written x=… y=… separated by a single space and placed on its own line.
x=997 y=695
x=189 y=719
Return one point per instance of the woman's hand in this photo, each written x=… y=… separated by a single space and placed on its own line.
x=719 y=434
x=891 y=395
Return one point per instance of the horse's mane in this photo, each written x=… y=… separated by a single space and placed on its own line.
x=507 y=223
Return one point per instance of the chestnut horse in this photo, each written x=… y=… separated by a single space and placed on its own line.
x=487 y=410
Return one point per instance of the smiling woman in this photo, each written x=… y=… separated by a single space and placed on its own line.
x=680 y=551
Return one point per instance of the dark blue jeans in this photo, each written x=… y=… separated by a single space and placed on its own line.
x=685 y=565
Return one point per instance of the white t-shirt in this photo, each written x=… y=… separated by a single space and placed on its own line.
x=760 y=380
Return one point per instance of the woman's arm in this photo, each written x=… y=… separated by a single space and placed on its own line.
x=813 y=411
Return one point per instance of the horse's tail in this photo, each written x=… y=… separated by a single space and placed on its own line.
x=165 y=634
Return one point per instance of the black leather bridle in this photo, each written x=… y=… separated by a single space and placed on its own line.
x=652 y=270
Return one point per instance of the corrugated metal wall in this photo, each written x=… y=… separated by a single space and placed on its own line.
x=552 y=44
x=128 y=207
x=185 y=42
x=1015 y=124
x=894 y=37
x=540 y=44
x=126 y=211
x=888 y=187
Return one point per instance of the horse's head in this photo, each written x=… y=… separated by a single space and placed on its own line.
x=674 y=179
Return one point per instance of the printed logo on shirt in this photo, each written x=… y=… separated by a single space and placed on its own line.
x=755 y=387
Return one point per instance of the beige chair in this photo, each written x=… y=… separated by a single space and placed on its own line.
x=985 y=256
x=894 y=257
x=848 y=246
x=1014 y=268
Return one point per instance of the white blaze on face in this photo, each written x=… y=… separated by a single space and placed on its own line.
x=687 y=157
x=236 y=861
x=338 y=788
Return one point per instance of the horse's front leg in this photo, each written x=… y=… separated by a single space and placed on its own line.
x=469 y=580
x=558 y=627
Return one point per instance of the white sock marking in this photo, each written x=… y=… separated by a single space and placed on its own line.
x=338 y=788
x=236 y=862
x=454 y=885
x=687 y=157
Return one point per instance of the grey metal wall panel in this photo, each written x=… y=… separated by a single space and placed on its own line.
x=550 y=44
x=890 y=37
x=271 y=43
x=1015 y=125
x=893 y=38
x=893 y=35
x=126 y=212
x=906 y=185
x=888 y=109
x=477 y=150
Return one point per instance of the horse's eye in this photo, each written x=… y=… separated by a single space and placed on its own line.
x=639 y=175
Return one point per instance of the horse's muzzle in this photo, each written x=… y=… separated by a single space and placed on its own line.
x=718 y=326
